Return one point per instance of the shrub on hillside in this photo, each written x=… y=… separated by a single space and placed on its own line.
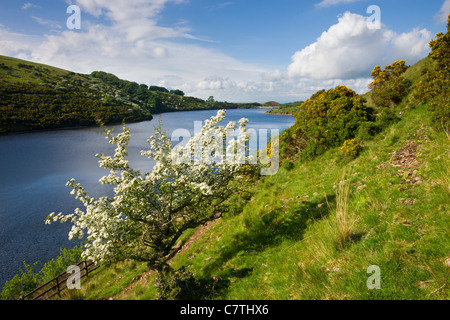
x=325 y=121
x=20 y=284
x=434 y=89
x=388 y=86
x=28 y=279
x=350 y=149
x=367 y=130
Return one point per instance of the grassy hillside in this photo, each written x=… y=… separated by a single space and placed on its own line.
x=17 y=70
x=37 y=96
x=312 y=230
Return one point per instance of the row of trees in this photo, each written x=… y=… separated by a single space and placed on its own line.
x=159 y=99
x=80 y=100
x=133 y=88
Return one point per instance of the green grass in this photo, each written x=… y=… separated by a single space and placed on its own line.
x=16 y=70
x=107 y=281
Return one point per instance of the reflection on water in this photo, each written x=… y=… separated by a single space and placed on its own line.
x=34 y=168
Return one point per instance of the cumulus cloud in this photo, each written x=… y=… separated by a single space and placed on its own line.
x=411 y=46
x=273 y=75
x=349 y=50
x=15 y=44
x=134 y=19
x=216 y=83
x=442 y=15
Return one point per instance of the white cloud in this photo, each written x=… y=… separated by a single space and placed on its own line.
x=134 y=19
x=350 y=50
x=29 y=5
x=411 y=46
x=273 y=75
x=46 y=22
x=160 y=52
x=329 y=3
x=216 y=83
x=442 y=15
x=16 y=44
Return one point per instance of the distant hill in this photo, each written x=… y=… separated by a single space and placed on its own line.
x=287 y=109
x=272 y=104
x=36 y=96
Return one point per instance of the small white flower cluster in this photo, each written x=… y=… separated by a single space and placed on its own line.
x=148 y=212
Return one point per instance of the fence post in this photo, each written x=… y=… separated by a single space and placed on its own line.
x=57 y=286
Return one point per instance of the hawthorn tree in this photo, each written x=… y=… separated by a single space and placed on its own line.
x=149 y=212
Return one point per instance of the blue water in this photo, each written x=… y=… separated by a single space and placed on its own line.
x=34 y=168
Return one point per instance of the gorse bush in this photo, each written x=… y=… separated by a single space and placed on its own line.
x=388 y=86
x=22 y=283
x=32 y=106
x=325 y=121
x=434 y=89
x=391 y=71
x=181 y=284
x=350 y=149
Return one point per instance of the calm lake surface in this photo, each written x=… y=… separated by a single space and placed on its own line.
x=34 y=168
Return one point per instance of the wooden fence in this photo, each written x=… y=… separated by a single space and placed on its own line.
x=59 y=283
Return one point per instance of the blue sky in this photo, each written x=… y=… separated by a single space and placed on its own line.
x=237 y=50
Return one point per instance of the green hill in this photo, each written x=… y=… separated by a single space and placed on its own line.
x=36 y=96
x=287 y=109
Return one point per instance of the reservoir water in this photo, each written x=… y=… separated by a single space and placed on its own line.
x=34 y=169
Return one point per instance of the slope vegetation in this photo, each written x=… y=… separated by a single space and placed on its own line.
x=37 y=96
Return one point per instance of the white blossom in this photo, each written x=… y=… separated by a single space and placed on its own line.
x=148 y=210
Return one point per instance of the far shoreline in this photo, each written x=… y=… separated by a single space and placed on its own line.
x=18 y=132
x=280 y=114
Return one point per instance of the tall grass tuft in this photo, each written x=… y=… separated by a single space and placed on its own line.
x=344 y=221
x=444 y=179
